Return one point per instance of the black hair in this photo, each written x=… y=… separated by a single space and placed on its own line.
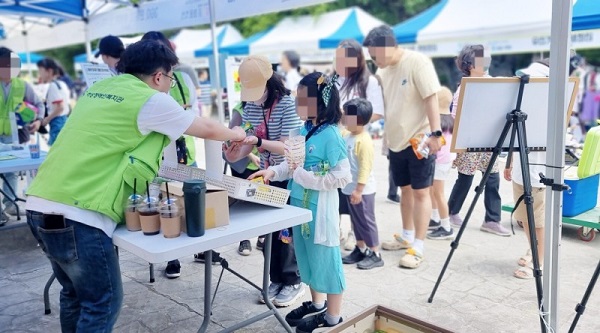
x=330 y=114
x=293 y=58
x=382 y=35
x=50 y=64
x=146 y=57
x=159 y=37
x=466 y=58
x=276 y=90
x=361 y=107
x=447 y=123
x=360 y=78
x=5 y=51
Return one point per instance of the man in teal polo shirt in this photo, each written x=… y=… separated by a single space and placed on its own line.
x=115 y=135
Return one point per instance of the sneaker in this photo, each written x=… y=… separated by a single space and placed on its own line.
x=411 y=259
x=11 y=209
x=371 y=260
x=433 y=225
x=313 y=323
x=245 y=248
x=441 y=233
x=173 y=269
x=307 y=309
x=216 y=257
x=355 y=256
x=350 y=243
x=274 y=289
x=495 y=228
x=393 y=199
x=398 y=243
x=455 y=220
x=288 y=295
x=260 y=243
x=3 y=219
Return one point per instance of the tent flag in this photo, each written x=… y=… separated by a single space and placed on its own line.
x=586 y=15
x=406 y=32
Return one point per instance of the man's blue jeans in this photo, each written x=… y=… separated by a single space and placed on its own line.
x=85 y=263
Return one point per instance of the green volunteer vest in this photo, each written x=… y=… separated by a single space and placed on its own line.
x=100 y=151
x=175 y=92
x=15 y=97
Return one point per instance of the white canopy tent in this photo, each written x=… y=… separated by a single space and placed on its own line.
x=507 y=26
x=308 y=35
x=187 y=41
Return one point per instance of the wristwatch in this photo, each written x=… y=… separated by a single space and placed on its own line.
x=437 y=133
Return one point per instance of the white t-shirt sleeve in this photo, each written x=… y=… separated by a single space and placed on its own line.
x=162 y=114
x=375 y=96
x=53 y=97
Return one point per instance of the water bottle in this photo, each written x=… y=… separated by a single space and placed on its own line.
x=194 y=197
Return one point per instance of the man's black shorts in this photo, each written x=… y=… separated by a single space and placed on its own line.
x=407 y=169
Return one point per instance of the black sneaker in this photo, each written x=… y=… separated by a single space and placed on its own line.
x=354 y=256
x=307 y=309
x=393 y=198
x=245 y=248
x=441 y=233
x=314 y=322
x=260 y=243
x=3 y=219
x=371 y=260
x=216 y=257
x=173 y=269
x=433 y=225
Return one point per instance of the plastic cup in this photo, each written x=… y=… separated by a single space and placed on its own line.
x=132 y=218
x=295 y=150
x=149 y=219
x=34 y=150
x=170 y=218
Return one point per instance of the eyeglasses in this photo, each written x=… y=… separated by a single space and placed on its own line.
x=173 y=80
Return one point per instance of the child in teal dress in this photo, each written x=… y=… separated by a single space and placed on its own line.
x=314 y=186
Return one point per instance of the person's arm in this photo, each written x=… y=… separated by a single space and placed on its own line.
x=210 y=129
x=56 y=100
x=274 y=146
x=33 y=98
x=433 y=114
x=375 y=96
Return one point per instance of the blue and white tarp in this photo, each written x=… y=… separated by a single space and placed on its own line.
x=198 y=43
x=308 y=33
x=507 y=26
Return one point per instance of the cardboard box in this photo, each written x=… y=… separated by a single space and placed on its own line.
x=381 y=319
x=217 y=204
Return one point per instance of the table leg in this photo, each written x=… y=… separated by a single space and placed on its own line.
x=151 y=273
x=266 y=280
x=207 y=289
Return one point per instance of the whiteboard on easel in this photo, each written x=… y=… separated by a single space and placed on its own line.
x=484 y=103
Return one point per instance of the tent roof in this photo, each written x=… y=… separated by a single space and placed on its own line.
x=63 y=9
x=34 y=57
x=308 y=32
x=444 y=28
x=198 y=43
x=227 y=36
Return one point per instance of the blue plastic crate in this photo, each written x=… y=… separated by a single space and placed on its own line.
x=582 y=196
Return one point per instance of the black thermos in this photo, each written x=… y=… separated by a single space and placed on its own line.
x=194 y=195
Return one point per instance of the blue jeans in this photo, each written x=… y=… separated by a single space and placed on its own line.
x=56 y=125
x=11 y=177
x=85 y=263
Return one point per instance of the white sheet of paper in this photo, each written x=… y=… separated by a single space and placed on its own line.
x=170 y=155
x=95 y=72
x=214 y=159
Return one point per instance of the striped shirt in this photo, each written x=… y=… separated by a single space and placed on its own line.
x=283 y=119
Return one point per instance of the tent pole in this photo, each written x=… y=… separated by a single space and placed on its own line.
x=217 y=74
x=557 y=100
x=27 y=53
x=88 y=42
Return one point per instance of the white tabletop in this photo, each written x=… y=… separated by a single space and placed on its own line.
x=246 y=220
x=22 y=162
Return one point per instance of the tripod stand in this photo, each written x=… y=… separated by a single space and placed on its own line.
x=515 y=123
x=581 y=306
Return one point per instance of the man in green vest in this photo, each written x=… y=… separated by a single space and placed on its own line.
x=14 y=92
x=115 y=136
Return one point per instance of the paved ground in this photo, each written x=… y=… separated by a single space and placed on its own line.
x=478 y=293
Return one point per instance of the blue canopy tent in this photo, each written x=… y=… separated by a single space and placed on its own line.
x=443 y=29
x=33 y=57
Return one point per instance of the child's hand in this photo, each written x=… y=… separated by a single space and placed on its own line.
x=255 y=159
x=507 y=173
x=356 y=197
x=266 y=174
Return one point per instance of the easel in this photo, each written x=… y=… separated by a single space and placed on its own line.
x=515 y=123
x=580 y=308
